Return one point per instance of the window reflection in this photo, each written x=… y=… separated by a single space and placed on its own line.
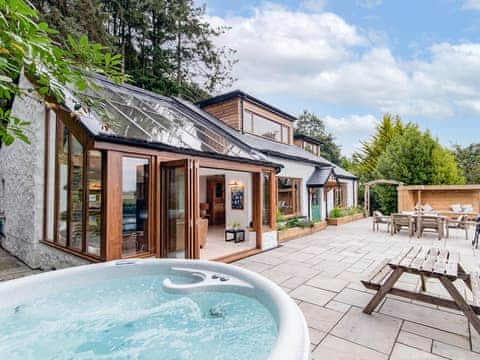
x=258 y=125
x=131 y=114
x=134 y=205
x=289 y=196
x=62 y=183
x=94 y=202
x=76 y=195
x=266 y=199
x=175 y=180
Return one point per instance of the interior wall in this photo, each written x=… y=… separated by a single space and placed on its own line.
x=243 y=217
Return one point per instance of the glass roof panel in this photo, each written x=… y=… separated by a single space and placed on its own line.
x=125 y=112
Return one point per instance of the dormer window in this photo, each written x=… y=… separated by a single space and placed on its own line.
x=313 y=148
x=260 y=126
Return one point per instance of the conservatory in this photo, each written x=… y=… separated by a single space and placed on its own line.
x=129 y=173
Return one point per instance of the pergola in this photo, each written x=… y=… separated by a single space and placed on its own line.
x=369 y=184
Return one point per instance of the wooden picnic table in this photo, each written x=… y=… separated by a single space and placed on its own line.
x=440 y=264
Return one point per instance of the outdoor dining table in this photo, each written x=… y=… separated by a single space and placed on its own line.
x=435 y=263
x=417 y=216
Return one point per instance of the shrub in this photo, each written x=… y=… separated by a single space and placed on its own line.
x=336 y=213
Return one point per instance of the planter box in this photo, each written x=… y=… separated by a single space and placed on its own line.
x=344 y=219
x=296 y=232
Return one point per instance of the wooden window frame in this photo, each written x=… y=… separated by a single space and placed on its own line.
x=251 y=114
x=82 y=251
x=151 y=239
x=297 y=195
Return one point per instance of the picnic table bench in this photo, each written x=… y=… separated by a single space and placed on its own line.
x=440 y=264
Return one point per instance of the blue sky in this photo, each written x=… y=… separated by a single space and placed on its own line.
x=350 y=61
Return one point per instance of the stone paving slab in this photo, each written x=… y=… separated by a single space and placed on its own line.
x=322 y=273
x=12 y=268
x=375 y=331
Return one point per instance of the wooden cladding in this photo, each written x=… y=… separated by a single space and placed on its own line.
x=439 y=197
x=228 y=111
x=231 y=112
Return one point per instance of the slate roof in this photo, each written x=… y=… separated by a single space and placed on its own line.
x=320 y=176
x=293 y=152
x=307 y=139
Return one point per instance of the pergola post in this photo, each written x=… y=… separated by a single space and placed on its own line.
x=366 y=203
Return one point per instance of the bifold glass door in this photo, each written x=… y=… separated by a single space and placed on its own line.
x=179 y=189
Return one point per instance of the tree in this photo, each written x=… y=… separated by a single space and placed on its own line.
x=364 y=162
x=311 y=125
x=415 y=158
x=468 y=159
x=167 y=45
x=75 y=18
x=26 y=45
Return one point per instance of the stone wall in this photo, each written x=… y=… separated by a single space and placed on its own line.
x=22 y=176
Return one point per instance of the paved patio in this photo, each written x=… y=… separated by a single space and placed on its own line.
x=12 y=268
x=322 y=272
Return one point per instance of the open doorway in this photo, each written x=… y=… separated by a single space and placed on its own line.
x=225 y=205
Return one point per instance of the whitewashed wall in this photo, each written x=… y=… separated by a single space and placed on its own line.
x=22 y=169
x=300 y=170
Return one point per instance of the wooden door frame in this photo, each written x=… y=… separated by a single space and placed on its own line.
x=113 y=205
x=192 y=207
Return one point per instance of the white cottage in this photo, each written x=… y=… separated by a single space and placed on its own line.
x=308 y=185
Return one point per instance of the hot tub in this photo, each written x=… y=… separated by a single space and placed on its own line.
x=150 y=309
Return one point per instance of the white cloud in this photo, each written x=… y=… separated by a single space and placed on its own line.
x=471 y=5
x=319 y=58
x=351 y=130
x=369 y=3
x=313 y=5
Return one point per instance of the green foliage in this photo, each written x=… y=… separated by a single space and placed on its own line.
x=336 y=213
x=167 y=45
x=364 y=162
x=294 y=222
x=415 y=158
x=26 y=45
x=342 y=212
x=311 y=125
x=280 y=217
x=384 y=198
x=468 y=160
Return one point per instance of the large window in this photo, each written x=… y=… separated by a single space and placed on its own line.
x=135 y=174
x=313 y=148
x=94 y=201
x=63 y=147
x=266 y=208
x=289 y=195
x=339 y=196
x=78 y=194
x=258 y=125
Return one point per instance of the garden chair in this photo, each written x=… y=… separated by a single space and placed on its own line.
x=401 y=221
x=379 y=218
x=459 y=223
x=430 y=223
x=477 y=233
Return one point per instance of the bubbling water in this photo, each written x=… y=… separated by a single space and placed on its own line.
x=133 y=318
